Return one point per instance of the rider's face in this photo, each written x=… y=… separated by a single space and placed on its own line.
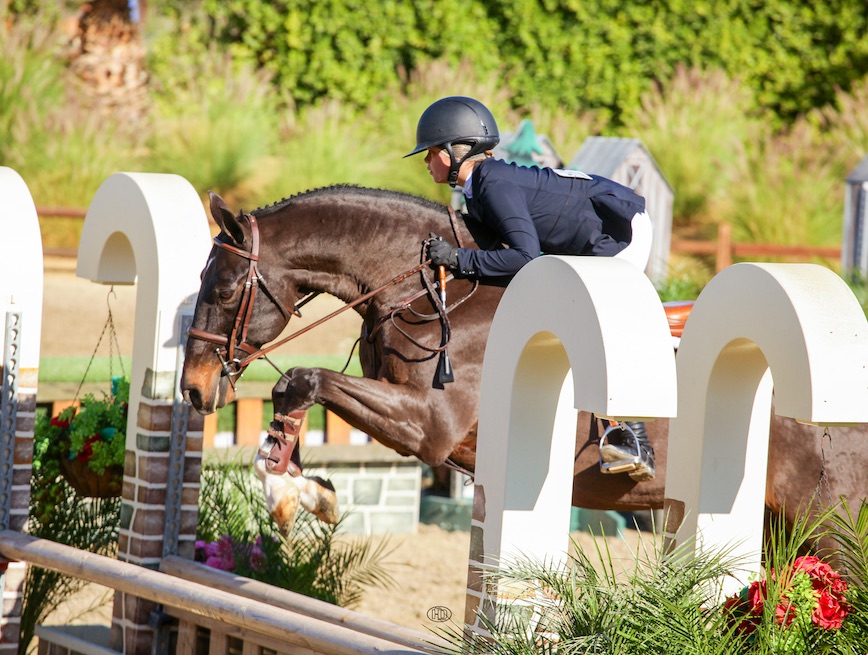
x=438 y=164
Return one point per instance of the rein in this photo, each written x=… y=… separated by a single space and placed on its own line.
x=233 y=366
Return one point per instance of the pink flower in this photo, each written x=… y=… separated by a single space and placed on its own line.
x=220 y=563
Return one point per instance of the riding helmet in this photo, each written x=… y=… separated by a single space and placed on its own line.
x=452 y=120
x=456 y=119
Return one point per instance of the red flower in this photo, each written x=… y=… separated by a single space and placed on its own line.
x=816 y=568
x=756 y=596
x=86 y=451
x=57 y=422
x=785 y=613
x=830 y=612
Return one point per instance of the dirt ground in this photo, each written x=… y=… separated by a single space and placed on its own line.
x=429 y=568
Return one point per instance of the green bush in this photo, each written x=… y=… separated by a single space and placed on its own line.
x=672 y=602
x=313 y=561
x=600 y=54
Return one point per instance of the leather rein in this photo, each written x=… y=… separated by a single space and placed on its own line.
x=229 y=346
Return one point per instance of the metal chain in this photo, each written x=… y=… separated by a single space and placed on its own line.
x=113 y=343
x=823 y=482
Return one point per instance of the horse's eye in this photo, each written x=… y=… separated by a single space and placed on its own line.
x=225 y=294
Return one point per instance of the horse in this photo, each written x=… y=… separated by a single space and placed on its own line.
x=365 y=247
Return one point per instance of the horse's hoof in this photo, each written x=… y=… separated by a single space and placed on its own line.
x=319 y=498
x=285 y=513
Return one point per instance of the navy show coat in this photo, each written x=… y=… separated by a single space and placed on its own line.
x=540 y=210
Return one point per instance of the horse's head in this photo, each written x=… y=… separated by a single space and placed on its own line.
x=235 y=312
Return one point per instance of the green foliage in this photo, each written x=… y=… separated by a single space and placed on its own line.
x=30 y=86
x=215 y=120
x=672 y=602
x=97 y=431
x=600 y=55
x=59 y=514
x=696 y=124
x=795 y=196
x=313 y=561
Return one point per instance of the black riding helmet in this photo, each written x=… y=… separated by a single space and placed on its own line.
x=452 y=120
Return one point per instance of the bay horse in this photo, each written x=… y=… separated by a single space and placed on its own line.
x=349 y=242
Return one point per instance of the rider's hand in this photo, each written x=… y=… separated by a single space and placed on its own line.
x=443 y=254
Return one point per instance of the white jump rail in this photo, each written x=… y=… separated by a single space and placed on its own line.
x=215 y=606
x=304 y=605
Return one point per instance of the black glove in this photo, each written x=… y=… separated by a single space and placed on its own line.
x=443 y=254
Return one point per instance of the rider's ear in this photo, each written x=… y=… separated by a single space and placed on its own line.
x=225 y=219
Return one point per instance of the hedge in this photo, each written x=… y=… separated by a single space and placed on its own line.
x=578 y=55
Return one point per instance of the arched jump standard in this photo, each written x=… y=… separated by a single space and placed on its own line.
x=21 y=277
x=796 y=327
x=151 y=229
x=570 y=333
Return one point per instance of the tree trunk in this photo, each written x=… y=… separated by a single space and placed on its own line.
x=108 y=57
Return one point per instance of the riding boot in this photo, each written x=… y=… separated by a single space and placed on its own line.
x=628 y=451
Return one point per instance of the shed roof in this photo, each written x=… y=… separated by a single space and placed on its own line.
x=602 y=155
x=860 y=173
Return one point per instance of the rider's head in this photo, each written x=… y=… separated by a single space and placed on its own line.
x=453 y=123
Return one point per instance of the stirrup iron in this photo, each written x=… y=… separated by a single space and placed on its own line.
x=627 y=465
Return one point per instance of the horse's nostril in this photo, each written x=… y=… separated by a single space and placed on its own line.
x=194 y=397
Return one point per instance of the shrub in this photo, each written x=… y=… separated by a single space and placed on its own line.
x=236 y=530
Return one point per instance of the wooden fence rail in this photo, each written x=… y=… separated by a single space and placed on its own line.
x=252 y=620
x=725 y=249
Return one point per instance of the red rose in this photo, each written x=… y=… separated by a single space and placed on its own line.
x=816 y=568
x=59 y=423
x=756 y=595
x=785 y=613
x=830 y=613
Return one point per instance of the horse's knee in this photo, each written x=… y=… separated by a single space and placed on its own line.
x=298 y=388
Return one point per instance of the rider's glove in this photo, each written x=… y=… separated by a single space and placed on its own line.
x=443 y=254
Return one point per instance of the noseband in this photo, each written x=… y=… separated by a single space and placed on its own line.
x=229 y=346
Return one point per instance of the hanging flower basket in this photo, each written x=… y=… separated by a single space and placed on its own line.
x=89 y=442
x=82 y=478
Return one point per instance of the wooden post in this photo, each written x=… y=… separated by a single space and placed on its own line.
x=209 y=430
x=337 y=430
x=723 y=254
x=248 y=421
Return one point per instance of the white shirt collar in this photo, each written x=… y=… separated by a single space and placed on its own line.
x=468 y=185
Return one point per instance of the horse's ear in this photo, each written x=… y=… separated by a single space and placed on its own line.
x=225 y=219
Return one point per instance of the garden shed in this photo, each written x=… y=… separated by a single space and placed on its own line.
x=628 y=162
x=854 y=243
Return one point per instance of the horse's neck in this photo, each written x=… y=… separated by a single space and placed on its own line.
x=349 y=251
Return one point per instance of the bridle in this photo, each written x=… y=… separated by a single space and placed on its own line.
x=228 y=347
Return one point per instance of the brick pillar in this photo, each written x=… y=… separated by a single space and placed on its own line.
x=21 y=442
x=143 y=511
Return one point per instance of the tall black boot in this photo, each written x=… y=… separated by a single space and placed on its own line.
x=628 y=451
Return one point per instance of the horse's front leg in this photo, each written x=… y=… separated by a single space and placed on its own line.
x=399 y=416
x=284 y=493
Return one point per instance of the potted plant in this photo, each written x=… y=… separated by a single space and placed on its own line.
x=88 y=442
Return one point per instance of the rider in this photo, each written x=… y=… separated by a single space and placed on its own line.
x=532 y=211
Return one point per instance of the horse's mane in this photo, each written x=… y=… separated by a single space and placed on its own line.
x=347 y=190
